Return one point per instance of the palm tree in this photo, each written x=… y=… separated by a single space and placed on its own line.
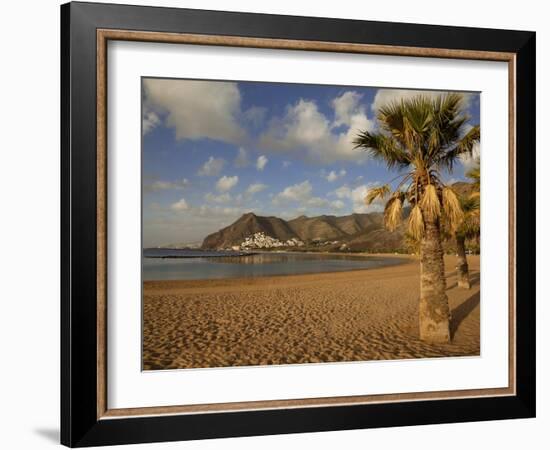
x=423 y=135
x=411 y=243
x=469 y=228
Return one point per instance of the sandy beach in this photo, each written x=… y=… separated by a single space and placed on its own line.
x=347 y=316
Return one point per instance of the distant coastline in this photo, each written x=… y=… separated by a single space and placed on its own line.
x=175 y=253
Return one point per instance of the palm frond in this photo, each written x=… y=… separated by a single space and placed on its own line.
x=474 y=174
x=463 y=146
x=393 y=213
x=416 y=223
x=382 y=148
x=430 y=203
x=421 y=129
x=470 y=202
x=470 y=226
x=407 y=121
x=377 y=192
x=474 y=199
x=452 y=209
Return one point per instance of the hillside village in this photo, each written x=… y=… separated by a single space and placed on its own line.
x=261 y=240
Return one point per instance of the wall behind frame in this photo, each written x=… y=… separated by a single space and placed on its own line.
x=29 y=187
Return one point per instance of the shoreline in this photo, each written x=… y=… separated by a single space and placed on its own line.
x=404 y=259
x=306 y=278
x=237 y=254
x=261 y=280
x=358 y=315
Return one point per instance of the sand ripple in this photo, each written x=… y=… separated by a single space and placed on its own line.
x=349 y=316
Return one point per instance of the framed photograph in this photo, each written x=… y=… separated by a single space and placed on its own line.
x=276 y=224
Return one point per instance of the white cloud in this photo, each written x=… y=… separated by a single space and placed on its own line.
x=226 y=183
x=296 y=193
x=255 y=115
x=206 y=210
x=212 y=167
x=345 y=106
x=387 y=96
x=333 y=176
x=150 y=121
x=261 y=162
x=304 y=128
x=222 y=198
x=302 y=194
x=242 y=158
x=197 y=109
x=180 y=205
x=216 y=211
x=160 y=185
x=286 y=164
x=342 y=192
x=317 y=202
x=255 y=188
x=357 y=198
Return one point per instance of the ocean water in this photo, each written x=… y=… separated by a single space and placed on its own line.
x=169 y=264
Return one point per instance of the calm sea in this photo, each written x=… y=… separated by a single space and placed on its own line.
x=168 y=264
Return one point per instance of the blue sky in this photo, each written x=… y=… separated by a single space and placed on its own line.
x=213 y=150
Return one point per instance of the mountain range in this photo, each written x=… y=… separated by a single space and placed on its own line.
x=356 y=231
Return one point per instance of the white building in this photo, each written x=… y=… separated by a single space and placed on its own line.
x=260 y=240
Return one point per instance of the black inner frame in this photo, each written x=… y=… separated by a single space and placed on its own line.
x=79 y=423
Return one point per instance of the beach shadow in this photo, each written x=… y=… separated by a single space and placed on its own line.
x=474 y=280
x=461 y=312
x=50 y=434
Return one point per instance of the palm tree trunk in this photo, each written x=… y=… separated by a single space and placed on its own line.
x=434 y=312
x=462 y=264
